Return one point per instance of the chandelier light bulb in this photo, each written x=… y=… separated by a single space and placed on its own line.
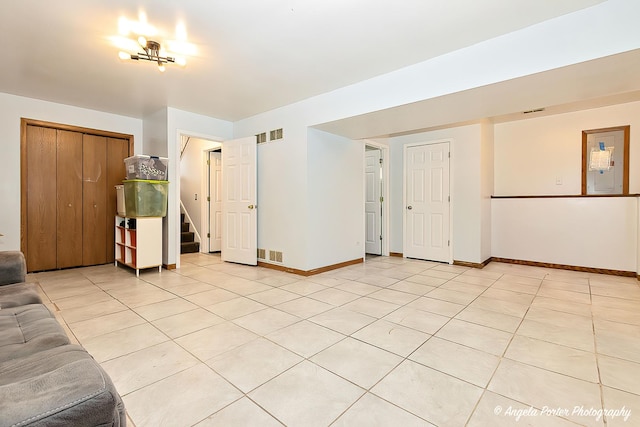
x=161 y=68
x=124 y=55
x=142 y=41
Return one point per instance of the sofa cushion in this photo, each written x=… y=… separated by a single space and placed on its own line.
x=61 y=386
x=13 y=267
x=19 y=294
x=28 y=329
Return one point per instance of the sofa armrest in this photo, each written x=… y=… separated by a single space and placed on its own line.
x=13 y=267
x=18 y=294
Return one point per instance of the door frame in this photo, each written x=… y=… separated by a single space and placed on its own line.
x=404 y=190
x=171 y=221
x=384 y=152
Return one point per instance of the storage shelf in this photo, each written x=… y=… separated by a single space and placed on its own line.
x=138 y=242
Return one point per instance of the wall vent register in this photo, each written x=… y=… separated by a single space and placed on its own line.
x=275 y=256
x=275 y=134
x=261 y=138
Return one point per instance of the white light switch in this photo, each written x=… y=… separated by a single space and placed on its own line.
x=558 y=180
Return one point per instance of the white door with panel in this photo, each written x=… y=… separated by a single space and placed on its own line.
x=427 y=204
x=373 y=202
x=215 y=201
x=239 y=216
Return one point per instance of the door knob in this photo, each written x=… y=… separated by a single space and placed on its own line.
x=409 y=207
x=251 y=206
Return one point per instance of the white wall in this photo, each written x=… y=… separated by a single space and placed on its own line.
x=283 y=166
x=466 y=189
x=336 y=202
x=586 y=232
x=193 y=174
x=155 y=144
x=282 y=187
x=12 y=109
x=531 y=154
x=179 y=123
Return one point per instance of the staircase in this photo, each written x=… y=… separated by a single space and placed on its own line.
x=187 y=238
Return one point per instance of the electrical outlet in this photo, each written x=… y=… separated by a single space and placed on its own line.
x=196 y=196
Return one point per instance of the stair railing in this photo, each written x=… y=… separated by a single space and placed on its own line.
x=184 y=146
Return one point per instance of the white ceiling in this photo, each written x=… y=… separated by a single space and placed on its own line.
x=253 y=55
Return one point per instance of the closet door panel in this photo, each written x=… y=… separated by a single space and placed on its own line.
x=41 y=201
x=94 y=213
x=69 y=199
x=117 y=151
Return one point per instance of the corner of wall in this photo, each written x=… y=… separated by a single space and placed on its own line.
x=486 y=186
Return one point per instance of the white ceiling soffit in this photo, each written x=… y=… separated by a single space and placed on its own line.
x=605 y=81
x=253 y=55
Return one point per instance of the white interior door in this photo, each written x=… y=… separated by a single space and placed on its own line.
x=215 y=201
x=372 y=203
x=427 y=202
x=239 y=216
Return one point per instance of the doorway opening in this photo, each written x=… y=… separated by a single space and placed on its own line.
x=376 y=195
x=194 y=192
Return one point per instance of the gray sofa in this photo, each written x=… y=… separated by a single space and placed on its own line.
x=44 y=379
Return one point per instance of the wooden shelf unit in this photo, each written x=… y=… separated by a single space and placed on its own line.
x=138 y=246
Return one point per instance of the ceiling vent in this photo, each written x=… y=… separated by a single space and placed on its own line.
x=537 y=110
x=261 y=138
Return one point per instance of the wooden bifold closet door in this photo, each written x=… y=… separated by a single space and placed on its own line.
x=68 y=187
x=69 y=199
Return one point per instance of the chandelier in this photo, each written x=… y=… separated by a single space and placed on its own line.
x=151 y=53
x=147 y=47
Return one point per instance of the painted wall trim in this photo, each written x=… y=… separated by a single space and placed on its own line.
x=565 y=196
x=479 y=265
x=567 y=267
x=312 y=272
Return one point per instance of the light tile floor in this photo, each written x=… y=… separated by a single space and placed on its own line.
x=390 y=342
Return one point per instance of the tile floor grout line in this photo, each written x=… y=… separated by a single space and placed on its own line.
x=96 y=277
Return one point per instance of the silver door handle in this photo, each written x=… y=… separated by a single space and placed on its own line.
x=409 y=207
